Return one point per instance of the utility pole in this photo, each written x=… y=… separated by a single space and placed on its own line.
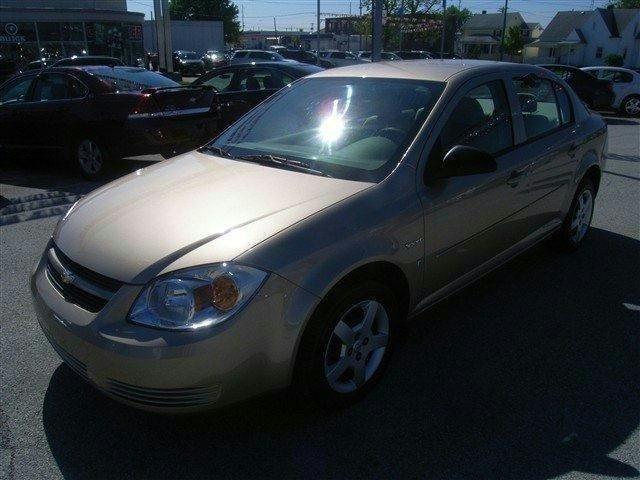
x=444 y=28
x=504 y=27
x=275 y=30
x=377 y=30
x=242 y=6
x=167 y=35
x=360 y=28
x=318 y=31
x=401 y=22
x=162 y=58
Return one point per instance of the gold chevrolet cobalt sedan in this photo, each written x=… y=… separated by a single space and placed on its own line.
x=287 y=252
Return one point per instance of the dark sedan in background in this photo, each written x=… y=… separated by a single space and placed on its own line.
x=592 y=91
x=187 y=63
x=241 y=87
x=97 y=114
x=304 y=57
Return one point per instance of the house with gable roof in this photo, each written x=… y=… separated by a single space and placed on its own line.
x=585 y=38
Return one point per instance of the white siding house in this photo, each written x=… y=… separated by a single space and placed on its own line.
x=585 y=38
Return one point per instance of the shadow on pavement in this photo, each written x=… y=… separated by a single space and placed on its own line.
x=528 y=374
x=620 y=121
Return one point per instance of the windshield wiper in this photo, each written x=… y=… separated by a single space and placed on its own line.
x=273 y=160
x=217 y=150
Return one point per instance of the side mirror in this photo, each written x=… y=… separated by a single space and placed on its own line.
x=528 y=102
x=462 y=160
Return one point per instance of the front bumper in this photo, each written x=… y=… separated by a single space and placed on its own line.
x=250 y=354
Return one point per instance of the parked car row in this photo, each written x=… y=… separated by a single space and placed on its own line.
x=603 y=87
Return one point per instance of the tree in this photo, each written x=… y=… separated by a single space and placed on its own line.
x=224 y=10
x=513 y=41
x=624 y=3
x=614 y=60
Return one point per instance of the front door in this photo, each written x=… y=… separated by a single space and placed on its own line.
x=471 y=219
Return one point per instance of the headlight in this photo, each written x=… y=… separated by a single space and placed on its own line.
x=197 y=297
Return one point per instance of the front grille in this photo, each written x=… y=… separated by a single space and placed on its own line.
x=77 y=284
x=163 y=397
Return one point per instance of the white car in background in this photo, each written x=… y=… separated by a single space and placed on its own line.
x=626 y=86
x=341 y=59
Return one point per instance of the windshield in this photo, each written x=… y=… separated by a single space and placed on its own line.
x=131 y=79
x=352 y=128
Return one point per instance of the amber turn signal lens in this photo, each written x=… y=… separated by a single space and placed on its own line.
x=224 y=293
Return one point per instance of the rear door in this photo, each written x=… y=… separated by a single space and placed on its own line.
x=551 y=142
x=14 y=108
x=471 y=219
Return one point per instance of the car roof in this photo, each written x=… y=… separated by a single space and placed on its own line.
x=620 y=69
x=425 y=69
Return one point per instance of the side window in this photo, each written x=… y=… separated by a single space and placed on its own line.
x=607 y=74
x=260 y=79
x=286 y=79
x=540 y=111
x=77 y=89
x=339 y=55
x=239 y=54
x=564 y=104
x=15 y=91
x=623 y=77
x=481 y=119
x=51 y=87
x=221 y=82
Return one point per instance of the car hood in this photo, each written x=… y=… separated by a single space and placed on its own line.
x=191 y=210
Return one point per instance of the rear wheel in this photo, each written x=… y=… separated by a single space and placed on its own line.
x=347 y=344
x=91 y=157
x=578 y=221
x=631 y=106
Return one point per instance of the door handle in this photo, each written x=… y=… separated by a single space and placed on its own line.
x=515 y=177
x=572 y=150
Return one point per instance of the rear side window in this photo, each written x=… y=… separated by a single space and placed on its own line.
x=623 y=77
x=240 y=54
x=15 y=91
x=221 y=81
x=538 y=104
x=481 y=119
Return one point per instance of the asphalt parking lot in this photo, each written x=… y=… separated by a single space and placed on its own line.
x=531 y=373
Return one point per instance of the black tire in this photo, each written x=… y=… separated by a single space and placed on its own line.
x=568 y=239
x=91 y=168
x=309 y=375
x=630 y=106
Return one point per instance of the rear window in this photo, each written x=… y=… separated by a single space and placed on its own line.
x=131 y=79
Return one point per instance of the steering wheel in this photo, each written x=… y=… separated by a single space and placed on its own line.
x=392 y=133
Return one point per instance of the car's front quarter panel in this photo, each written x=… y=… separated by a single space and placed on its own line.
x=380 y=224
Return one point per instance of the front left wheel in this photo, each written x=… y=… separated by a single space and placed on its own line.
x=347 y=345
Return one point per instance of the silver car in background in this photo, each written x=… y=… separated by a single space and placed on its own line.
x=289 y=250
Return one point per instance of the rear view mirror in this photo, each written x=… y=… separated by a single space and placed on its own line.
x=463 y=160
x=528 y=102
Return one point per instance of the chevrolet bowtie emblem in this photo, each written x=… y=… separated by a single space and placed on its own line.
x=67 y=277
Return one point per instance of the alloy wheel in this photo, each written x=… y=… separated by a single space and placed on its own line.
x=357 y=346
x=582 y=216
x=90 y=156
x=632 y=106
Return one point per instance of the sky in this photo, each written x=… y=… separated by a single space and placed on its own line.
x=296 y=14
